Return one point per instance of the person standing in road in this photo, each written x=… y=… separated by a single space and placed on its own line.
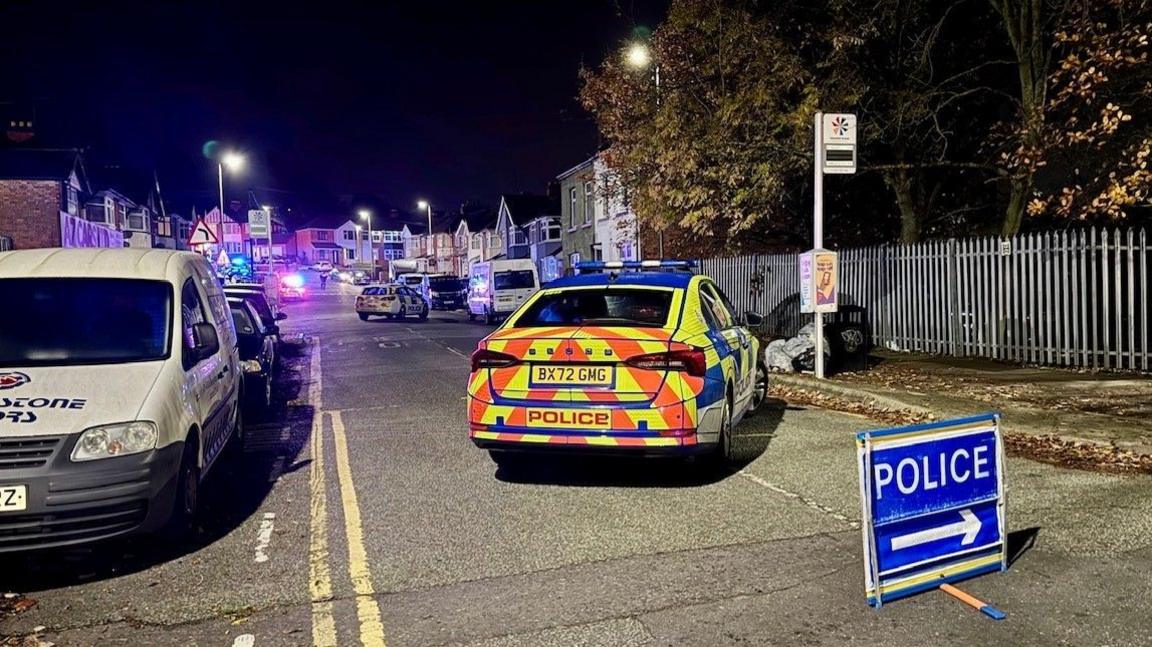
x=323 y=280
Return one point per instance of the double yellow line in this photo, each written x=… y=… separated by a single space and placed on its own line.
x=319 y=571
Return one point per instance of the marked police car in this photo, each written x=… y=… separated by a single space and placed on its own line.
x=119 y=384
x=390 y=301
x=636 y=357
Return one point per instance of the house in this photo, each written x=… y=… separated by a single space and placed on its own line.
x=42 y=195
x=546 y=246
x=317 y=240
x=229 y=228
x=616 y=230
x=476 y=239
x=516 y=211
x=578 y=213
x=172 y=231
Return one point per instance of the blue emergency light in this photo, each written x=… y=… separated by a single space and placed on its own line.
x=593 y=267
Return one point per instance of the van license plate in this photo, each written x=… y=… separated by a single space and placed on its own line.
x=13 y=498
x=571 y=375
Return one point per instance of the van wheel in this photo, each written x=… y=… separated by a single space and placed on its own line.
x=471 y=317
x=489 y=319
x=187 y=502
x=403 y=312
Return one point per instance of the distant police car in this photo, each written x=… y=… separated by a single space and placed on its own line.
x=638 y=357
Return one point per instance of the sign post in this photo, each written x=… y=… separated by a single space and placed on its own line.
x=932 y=498
x=834 y=151
x=260 y=226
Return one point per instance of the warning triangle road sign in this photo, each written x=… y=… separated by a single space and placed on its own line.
x=202 y=234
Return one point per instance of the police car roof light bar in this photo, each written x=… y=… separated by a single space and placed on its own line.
x=589 y=267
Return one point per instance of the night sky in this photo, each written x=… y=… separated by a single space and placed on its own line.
x=441 y=100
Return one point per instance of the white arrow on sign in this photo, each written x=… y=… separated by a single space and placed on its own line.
x=969 y=527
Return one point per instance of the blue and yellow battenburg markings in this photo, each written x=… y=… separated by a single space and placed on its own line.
x=646 y=409
x=932 y=500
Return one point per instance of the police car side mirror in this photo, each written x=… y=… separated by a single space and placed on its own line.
x=272 y=331
x=753 y=319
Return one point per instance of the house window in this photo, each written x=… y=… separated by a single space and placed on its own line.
x=349 y=235
x=73 y=200
x=553 y=231
x=597 y=254
x=574 y=259
x=350 y=254
x=323 y=235
x=589 y=203
x=121 y=214
x=393 y=236
x=136 y=222
x=572 y=208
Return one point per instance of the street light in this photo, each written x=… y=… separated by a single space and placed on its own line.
x=639 y=56
x=234 y=162
x=427 y=206
x=366 y=215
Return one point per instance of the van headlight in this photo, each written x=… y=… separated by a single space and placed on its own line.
x=251 y=366
x=108 y=441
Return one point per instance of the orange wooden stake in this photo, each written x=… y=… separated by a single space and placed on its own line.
x=986 y=609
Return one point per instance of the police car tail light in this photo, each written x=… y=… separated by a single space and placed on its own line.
x=484 y=358
x=692 y=362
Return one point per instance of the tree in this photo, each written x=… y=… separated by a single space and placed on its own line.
x=717 y=147
x=1091 y=162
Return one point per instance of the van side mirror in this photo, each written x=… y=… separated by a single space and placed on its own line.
x=753 y=319
x=281 y=316
x=205 y=342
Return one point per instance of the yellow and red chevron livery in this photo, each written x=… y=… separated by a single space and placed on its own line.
x=647 y=362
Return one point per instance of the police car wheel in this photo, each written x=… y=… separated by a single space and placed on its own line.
x=363 y=316
x=424 y=313
x=403 y=313
x=507 y=460
x=760 y=390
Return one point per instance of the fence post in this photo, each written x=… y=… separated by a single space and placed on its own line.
x=954 y=299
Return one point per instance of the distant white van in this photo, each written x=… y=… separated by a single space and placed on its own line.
x=119 y=387
x=497 y=288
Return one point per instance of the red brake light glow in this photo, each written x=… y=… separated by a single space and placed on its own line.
x=484 y=358
x=692 y=362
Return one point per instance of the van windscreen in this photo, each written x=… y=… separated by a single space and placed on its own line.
x=66 y=321
x=514 y=280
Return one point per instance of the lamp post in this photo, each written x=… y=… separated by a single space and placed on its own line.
x=366 y=216
x=639 y=56
x=427 y=206
x=234 y=162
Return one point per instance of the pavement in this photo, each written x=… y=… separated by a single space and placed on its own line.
x=1108 y=409
x=360 y=513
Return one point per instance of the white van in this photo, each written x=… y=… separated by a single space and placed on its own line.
x=497 y=288
x=119 y=385
x=417 y=281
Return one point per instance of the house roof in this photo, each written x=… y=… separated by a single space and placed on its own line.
x=525 y=207
x=41 y=164
x=477 y=221
x=323 y=245
x=579 y=167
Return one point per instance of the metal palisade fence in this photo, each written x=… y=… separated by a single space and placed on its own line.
x=1068 y=298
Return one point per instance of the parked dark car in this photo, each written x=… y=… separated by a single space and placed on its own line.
x=846 y=331
x=447 y=292
x=258 y=299
x=257 y=354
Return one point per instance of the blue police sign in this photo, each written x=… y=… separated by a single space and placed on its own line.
x=933 y=505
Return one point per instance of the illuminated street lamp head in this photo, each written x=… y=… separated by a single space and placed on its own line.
x=638 y=55
x=266 y=207
x=233 y=161
x=364 y=214
x=423 y=204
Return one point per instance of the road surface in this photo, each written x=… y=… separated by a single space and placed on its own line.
x=359 y=513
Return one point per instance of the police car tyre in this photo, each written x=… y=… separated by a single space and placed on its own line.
x=363 y=316
x=759 y=390
x=403 y=312
x=186 y=504
x=424 y=312
x=507 y=459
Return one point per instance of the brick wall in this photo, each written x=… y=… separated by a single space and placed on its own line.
x=30 y=212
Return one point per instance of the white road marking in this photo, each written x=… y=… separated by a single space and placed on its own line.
x=792 y=495
x=389 y=344
x=456 y=352
x=244 y=640
x=264 y=536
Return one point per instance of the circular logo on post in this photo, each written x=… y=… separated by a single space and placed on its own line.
x=12 y=380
